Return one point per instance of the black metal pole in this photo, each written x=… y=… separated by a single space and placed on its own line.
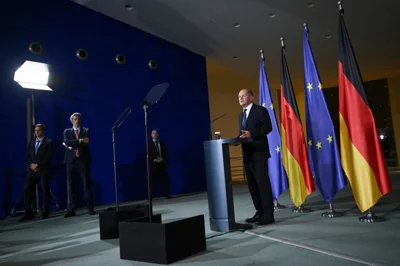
x=115 y=170
x=149 y=183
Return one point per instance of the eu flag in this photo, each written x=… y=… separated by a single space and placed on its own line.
x=322 y=147
x=276 y=171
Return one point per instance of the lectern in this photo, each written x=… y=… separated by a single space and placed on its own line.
x=219 y=185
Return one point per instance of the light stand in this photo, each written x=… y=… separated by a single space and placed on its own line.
x=30 y=123
x=117 y=124
x=33 y=75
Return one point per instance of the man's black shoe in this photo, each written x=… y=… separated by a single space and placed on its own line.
x=254 y=219
x=69 y=214
x=26 y=217
x=265 y=220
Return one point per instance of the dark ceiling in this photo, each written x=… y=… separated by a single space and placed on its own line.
x=207 y=27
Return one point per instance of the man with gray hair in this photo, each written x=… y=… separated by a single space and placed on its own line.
x=78 y=159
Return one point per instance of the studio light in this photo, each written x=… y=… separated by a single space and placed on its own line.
x=33 y=75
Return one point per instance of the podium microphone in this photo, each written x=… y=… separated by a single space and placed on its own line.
x=212 y=121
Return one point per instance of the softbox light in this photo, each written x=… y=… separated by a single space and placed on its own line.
x=33 y=75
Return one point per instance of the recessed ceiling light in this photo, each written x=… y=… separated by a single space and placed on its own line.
x=271 y=15
x=236 y=25
x=311 y=4
x=128 y=7
x=235 y=57
x=328 y=36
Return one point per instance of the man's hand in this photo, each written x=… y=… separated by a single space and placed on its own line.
x=158 y=160
x=245 y=134
x=37 y=169
x=33 y=166
x=84 y=140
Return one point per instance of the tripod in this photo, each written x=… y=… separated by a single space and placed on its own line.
x=35 y=203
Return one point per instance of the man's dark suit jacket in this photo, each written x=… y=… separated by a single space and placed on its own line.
x=259 y=125
x=71 y=141
x=153 y=152
x=44 y=155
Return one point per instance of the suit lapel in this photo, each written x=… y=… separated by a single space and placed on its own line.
x=250 y=115
x=32 y=147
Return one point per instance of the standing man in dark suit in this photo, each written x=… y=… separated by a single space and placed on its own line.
x=255 y=124
x=39 y=155
x=78 y=159
x=158 y=156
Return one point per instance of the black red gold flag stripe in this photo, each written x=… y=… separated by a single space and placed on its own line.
x=362 y=157
x=294 y=149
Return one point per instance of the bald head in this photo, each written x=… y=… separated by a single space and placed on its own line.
x=246 y=97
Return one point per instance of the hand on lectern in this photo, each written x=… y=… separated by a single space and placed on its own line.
x=245 y=134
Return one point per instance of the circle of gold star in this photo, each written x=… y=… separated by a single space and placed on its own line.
x=319 y=145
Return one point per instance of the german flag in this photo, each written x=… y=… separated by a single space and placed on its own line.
x=294 y=149
x=362 y=157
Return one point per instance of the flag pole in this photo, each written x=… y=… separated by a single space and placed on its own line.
x=301 y=208
x=332 y=212
x=277 y=206
x=370 y=217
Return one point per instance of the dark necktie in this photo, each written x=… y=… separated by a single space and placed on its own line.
x=244 y=120
x=158 y=150
x=37 y=146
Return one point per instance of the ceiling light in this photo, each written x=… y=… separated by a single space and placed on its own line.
x=311 y=4
x=328 y=36
x=236 y=25
x=128 y=7
x=235 y=57
x=271 y=15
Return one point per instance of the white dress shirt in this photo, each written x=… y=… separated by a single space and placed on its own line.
x=248 y=108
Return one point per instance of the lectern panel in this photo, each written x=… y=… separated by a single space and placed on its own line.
x=219 y=186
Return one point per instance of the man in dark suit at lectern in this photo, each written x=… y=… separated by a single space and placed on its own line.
x=255 y=124
x=158 y=156
x=78 y=159
x=39 y=155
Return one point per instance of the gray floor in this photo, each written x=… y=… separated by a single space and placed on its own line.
x=295 y=239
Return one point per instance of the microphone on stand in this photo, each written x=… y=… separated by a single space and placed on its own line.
x=212 y=121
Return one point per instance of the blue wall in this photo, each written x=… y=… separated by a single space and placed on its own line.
x=101 y=90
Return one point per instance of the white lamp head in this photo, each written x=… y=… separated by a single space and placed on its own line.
x=33 y=75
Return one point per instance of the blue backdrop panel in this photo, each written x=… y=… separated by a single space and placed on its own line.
x=101 y=90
